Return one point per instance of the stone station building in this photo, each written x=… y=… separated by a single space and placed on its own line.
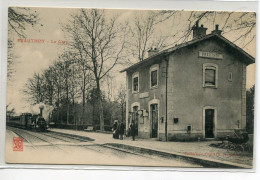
x=195 y=90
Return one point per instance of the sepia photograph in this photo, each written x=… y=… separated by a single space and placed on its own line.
x=119 y=87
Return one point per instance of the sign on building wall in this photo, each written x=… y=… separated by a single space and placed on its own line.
x=144 y=95
x=211 y=55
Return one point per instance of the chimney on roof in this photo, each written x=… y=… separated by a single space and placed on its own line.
x=217 y=31
x=198 y=32
x=152 y=51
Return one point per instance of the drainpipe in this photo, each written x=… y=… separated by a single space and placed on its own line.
x=166 y=98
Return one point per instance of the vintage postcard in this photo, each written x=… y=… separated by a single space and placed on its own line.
x=158 y=88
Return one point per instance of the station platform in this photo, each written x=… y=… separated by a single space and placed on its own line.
x=196 y=151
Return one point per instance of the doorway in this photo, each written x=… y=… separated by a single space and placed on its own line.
x=154 y=120
x=135 y=118
x=209 y=123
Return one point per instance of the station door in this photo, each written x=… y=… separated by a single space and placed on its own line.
x=209 y=123
x=154 y=120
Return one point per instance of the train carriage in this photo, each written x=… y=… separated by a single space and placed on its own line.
x=25 y=120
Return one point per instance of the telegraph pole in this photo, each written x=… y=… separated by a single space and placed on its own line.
x=166 y=99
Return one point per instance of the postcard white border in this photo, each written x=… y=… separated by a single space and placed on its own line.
x=125 y=172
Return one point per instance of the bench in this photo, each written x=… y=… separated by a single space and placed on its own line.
x=90 y=128
x=51 y=125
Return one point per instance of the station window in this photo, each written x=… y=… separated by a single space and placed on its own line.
x=210 y=75
x=230 y=76
x=135 y=82
x=154 y=76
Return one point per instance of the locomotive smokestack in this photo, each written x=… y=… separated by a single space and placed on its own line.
x=41 y=109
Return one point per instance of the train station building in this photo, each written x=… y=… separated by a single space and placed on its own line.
x=195 y=90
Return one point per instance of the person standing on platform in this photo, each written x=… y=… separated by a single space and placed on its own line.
x=115 y=130
x=121 y=130
x=133 y=130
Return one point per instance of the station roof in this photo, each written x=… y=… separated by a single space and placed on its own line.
x=247 y=58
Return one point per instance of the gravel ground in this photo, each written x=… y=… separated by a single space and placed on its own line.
x=197 y=149
x=41 y=148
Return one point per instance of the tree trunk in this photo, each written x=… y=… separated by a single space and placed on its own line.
x=83 y=106
x=73 y=110
x=100 y=106
x=93 y=114
x=100 y=109
x=68 y=104
x=122 y=113
x=83 y=97
x=58 y=107
x=68 y=112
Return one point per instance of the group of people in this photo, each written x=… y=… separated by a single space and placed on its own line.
x=119 y=130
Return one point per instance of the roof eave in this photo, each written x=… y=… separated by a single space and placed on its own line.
x=250 y=59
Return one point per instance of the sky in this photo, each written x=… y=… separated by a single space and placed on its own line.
x=35 y=57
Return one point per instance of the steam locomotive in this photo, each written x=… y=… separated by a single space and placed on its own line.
x=28 y=121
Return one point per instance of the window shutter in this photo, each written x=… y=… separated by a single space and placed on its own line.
x=136 y=84
x=210 y=76
x=154 y=78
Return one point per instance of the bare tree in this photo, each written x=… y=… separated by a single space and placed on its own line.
x=34 y=89
x=58 y=86
x=81 y=58
x=66 y=61
x=103 y=40
x=241 y=26
x=48 y=85
x=9 y=112
x=122 y=100
x=19 y=19
x=250 y=96
x=75 y=86
x=71 y=78
x=10 y=59
x=109 y=87
x=145 y=33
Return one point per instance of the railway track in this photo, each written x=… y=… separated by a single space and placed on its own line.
x=94 y=147
x=19 y=132
x=54 y=137
x=73 y=140
x=25 y=139
x=74 y=137
x=70 y=136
